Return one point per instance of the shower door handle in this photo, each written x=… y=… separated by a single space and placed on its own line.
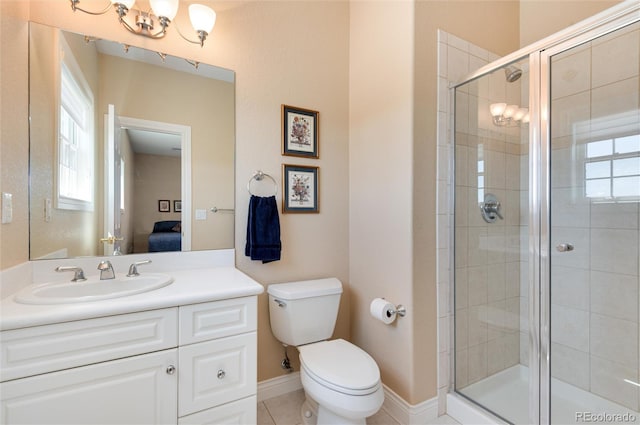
x=564 y=247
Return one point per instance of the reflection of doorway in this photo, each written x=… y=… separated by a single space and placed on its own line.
x=159 y=169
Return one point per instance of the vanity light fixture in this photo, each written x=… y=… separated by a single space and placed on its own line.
x=202 y=18
x=508 y=115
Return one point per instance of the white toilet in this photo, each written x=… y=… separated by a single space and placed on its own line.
x=341 y=378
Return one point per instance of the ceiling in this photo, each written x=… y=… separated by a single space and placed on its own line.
x=154 y=143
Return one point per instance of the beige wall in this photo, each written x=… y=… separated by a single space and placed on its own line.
x=380 y=173
x=541 y=18
x=370 y=123
x=294 y=53
x=14 y=129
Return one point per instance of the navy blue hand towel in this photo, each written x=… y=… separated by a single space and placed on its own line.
x=263 y=230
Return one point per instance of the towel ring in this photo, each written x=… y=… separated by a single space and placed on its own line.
x=259 y=176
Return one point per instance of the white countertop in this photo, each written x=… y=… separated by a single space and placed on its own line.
x=189 y=287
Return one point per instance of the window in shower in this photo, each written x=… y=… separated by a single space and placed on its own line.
x=612 y=169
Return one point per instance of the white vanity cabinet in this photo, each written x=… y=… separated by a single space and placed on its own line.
x=193 y=364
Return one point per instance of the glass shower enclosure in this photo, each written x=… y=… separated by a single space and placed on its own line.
x=546 y=234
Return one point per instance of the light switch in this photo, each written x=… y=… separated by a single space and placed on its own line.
x=201 y=214
x=7 y=207
x=47 y=210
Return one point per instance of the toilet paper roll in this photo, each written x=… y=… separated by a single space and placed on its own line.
x=383 y=310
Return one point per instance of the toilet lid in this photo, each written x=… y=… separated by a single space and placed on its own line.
x=340 y=364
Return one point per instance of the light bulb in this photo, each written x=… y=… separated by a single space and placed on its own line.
x=497 y=109
x=202 y=18
x=510 y=110
x=521 y=112
x=164 y=8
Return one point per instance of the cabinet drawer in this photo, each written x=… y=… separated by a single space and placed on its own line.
x=202 y=322
x=135 y=390
x=241 y=412
x=216 y=372
x=42 y=349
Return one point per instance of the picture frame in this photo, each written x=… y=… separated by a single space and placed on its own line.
x=164 y=205
x=177 y=206
x=300 y=135
x=300 y=189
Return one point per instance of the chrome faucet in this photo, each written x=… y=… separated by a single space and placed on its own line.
x=78 y=273
x=106 y=270
x=133 y=268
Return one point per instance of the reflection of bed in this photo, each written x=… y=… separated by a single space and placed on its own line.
x=166 y=236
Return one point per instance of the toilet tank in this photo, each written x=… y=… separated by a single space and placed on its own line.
x=304 y=312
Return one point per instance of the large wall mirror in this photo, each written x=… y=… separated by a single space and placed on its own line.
x=131 y=151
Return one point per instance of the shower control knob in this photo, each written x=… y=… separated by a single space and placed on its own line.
x=564 y=247
x=221 y=374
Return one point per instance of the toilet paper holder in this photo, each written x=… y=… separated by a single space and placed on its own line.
x=400 y=310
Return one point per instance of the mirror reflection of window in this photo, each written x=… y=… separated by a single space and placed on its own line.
x=75 y=136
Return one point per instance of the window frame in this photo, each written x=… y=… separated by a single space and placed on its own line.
x=610 y=178
x=67 y=64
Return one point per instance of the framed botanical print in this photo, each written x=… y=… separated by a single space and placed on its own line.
x=300 y=194
x=299 y=132
x=164 y=205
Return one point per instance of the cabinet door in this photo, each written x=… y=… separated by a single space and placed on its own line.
x=135 y=390
x=217 y=372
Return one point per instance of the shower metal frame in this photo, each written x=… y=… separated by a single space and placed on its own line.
x=540 y=54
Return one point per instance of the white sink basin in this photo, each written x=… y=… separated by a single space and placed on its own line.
x=92 y=289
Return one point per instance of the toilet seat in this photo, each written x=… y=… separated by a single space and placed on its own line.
x=341 y=366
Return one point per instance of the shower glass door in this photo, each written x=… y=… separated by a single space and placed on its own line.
x=594 y=242
x=491 y=239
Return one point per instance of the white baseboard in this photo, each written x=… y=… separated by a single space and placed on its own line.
x=408 y=414
x=280 y=385
x=394 y=405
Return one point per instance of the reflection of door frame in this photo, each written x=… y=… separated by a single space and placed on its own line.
x=185 y=136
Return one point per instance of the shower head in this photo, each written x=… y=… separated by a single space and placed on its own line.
x=512 y=73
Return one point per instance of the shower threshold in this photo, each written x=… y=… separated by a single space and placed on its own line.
x=507 y=392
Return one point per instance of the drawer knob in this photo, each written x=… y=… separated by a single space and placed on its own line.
x=171 y=369
x=221 y=374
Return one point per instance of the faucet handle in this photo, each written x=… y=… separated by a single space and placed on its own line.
x=78 y=272
x=106 y=270
x=104 y=265
x=133 y=268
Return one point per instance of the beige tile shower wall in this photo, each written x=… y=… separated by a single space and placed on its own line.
x=594 y=288
x=486 y=255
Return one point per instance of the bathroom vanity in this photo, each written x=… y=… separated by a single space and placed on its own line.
x=185 y=353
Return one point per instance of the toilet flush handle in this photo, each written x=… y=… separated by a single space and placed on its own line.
x=280 y=303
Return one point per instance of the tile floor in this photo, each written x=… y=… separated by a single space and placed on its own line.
x=285 y=410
